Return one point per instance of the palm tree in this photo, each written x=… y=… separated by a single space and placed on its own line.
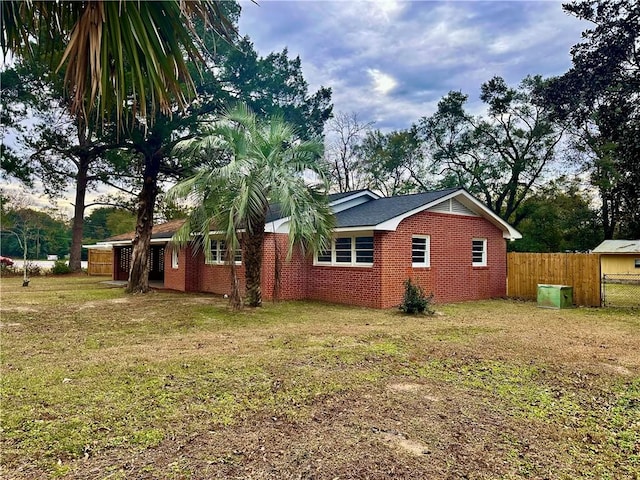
x=118 y=55
x=266 y=167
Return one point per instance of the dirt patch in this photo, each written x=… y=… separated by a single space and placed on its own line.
x=401 y=440
x=102 y=303
x=413 y=388
x=404 y=387
x=18 y=310
x=616 y=369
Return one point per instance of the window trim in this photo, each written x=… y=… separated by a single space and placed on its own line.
x=175 y=264
x=427 y=252
x=353 y=252
x=217 y=259
x=483 y=262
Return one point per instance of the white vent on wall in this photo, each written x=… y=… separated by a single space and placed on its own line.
x=452 y=206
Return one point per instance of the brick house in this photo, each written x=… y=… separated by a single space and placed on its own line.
x=447 y=241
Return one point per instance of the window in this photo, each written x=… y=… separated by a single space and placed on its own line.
x=637 y=263
x=364 y=249
x=219 y=252
x=174 y=258
x=479 y=252
x=420 y=251
x=324 y=256
x=343 y=249
x=348 y=251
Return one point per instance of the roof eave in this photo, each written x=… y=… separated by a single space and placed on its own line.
x=508 y=232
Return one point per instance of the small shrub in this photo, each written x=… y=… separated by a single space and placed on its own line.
x=415 y=300
x=8 y=271
x=33 y=269
x=60 y=267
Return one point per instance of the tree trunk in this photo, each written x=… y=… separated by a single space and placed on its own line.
x=139 y=273
x=252 y=250
x=82 y=180
x=75 y=256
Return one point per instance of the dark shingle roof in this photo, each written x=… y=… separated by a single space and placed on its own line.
x=162 y=230
x=367 y=214
x=377 y=211
x=337 y=196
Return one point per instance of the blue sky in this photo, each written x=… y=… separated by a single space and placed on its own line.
x=391 y=61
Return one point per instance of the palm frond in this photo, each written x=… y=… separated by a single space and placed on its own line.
x=120 y=56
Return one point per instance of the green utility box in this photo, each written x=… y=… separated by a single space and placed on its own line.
x=555 y=296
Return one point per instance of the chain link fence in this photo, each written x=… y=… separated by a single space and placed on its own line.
x=621 y=290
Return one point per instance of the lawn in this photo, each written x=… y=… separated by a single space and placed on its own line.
x=99 y=384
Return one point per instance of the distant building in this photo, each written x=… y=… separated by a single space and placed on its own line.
x=619 y=256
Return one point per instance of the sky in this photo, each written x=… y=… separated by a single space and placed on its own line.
x=392 y=61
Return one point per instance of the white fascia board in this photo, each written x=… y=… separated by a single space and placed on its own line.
x=98 y=246
x=365 y=228
x=280 y=225
x=221 y=232
x=468 y=200
x=121 y=243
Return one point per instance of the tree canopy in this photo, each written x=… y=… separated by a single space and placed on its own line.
x=599 y=98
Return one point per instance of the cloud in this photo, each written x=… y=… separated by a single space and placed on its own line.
x=382 y=83
x=393 y=61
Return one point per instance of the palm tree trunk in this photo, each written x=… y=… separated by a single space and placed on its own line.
x=139 y=273
x=252 y=250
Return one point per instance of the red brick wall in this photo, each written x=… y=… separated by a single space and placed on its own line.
x=451 y=277
x=350 y=285
x=174 y=278
x=293 y=273
x=118 y=273
x=217 y=278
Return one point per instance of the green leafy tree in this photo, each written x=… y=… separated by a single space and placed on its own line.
x=558 y=217
x=274 y=85
x=599 y=99
x=266 y=166
x=393 y=163
x=500 y=157
x=106 y=222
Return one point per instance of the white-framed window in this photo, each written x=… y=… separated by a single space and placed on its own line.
x=348 y=250
x=174 y=258
x=219 y=253
x=637 y=263
x=479 y=252
x=421 y=251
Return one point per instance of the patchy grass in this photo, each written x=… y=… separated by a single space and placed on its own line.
x=98 y=384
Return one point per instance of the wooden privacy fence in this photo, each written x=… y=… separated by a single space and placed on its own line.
x=100 y=262
x=578 y=270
